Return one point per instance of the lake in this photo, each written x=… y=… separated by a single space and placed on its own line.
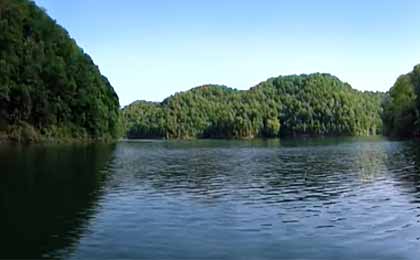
x=347 y=198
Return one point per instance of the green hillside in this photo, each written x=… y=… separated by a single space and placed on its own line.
x=49 y=88
x=401 y=106
x=296 y=105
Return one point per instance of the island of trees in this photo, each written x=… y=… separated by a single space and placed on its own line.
x=296 y=105
x=50 y=89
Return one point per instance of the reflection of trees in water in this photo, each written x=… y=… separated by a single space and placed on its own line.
x=369 y=162
x=404 y=163
x=47 y=194
x=327 y=172
x=260 y=171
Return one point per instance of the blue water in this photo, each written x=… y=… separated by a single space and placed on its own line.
x=347 y=198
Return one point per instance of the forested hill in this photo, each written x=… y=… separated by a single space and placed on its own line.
x=312 y=105
x=49 y=88
x=401 y=106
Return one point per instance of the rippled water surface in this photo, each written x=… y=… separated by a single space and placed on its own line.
x=317 y=199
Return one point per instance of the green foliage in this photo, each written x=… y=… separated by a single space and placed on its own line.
x=47 y=81
x=23 y=133
x=315 y=105
x=401 y=106
x=144 y=119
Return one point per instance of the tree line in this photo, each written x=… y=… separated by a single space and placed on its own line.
x=297 y=105
x=51 y=89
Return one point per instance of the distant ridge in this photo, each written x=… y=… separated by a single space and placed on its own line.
x=317 y=104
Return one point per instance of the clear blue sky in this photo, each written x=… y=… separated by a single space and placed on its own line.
x=152 y=49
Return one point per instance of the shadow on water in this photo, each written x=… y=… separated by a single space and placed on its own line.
x=289 y=199
x=47 y=195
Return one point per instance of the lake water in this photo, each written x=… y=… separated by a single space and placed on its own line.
x=318 y=199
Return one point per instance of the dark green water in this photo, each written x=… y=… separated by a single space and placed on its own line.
x=318 y=199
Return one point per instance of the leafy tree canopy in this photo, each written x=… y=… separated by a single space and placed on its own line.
x=314 y=105
x=401 y=106
x=47 y=83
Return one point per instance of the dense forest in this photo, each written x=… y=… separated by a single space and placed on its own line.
x=49 y=88
x=296 y=105
x=401 y=106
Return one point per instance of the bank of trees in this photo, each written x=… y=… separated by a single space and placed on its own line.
x=311 y=105
x=401 y=106
x=48 y=86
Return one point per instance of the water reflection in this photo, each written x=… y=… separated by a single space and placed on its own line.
x=310 y=199
x=219 y=197
x=213 y=169
x=47 y=196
